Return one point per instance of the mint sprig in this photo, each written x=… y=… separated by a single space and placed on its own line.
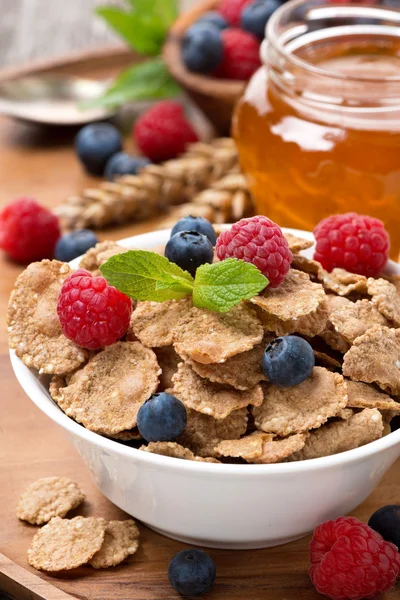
x=144 y=275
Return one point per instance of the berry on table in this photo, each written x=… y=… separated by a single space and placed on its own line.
x=162 y=418
x=214 y=18
x=231 y=10
x=261 y=242
x=351 y=560
x=255 y=16
x=163 y=132
x=28 y=231
x=92 y=313
x=241 y=55
x=386 y=521
x=357 y=243
x=95 y=144
x=74 y=244
x=202 y=49
x=288 y=361
x=192 y=572
x=189 y=250
x=199 y=224
x=124 y=164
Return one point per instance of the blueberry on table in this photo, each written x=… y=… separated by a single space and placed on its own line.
x=124 y=164
x=288 y=361
x=189 y=250
x=256 y=15
x=202 y=48
x=199 y=224
x=192 y=572
x=214 y=18
x=162 y=418
x=95 y=144
x=386 y=521
x=73 y=244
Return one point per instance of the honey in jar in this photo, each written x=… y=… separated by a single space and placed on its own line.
x=318 y=129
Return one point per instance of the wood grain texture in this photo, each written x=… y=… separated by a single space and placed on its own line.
x=41 y=163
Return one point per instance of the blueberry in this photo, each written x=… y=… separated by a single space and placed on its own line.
x=73 y=244
x=288 y=361
x=255 y=16
x=192 y=572
x=199 y=224
x=386 y=521
x=95 y=144
x=202 y=49
x=214 y=18
x=124 y=164
x=189 y=250
x=162 y=418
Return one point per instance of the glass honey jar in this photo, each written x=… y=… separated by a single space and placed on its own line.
x=318 y=128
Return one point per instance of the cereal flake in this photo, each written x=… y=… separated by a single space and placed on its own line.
x=355 y=319
x=97 y=256
x=175 y=450
x=48 y=497
x=297 y=244
x=168 y=360
x=344 y=283
x=386 y=299
x=362 y=395
x=152 y=323
x=262 y=448
x=120 y=541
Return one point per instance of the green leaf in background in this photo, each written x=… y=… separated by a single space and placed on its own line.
x=221 y=286
x=145 y=275
x=167 y=10
x=147 y=81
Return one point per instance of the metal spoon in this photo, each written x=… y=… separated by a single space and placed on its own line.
x=52 y=99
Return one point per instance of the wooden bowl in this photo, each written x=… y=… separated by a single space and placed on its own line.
x=215 y=97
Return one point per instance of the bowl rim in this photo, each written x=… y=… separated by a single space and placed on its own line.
x=29 y=381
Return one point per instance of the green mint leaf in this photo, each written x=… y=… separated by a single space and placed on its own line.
x=147 y=81
x=221 y=286
x=165 y=10
x=145 y=275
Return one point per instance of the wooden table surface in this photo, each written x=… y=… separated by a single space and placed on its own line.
x=40 y=163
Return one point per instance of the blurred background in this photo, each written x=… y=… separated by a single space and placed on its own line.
x=32 y=30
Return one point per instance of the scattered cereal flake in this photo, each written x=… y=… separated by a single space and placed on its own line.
x=386 y=299
x=242 y=371
x=175 y=450
x=346 y=413
x=65 y=544
x=300 y=408
x=362 y=395
x=340 y=436
x=344 y=283
x=395 y=280
x=330 y=336
x=297 y=305
x=297 y=244
x=262 y=448
x=375 y=358
x=211 y=399
x=307 y=265
x=326 y=360
x=33 y=325
x=97 y=256
x=168 y=360
x=355 y=319
x=127 y=436
x=153 y=323
x=203 y=433
x=120 y=541
x=211 y=337
x=48 y=497
x=105 y=396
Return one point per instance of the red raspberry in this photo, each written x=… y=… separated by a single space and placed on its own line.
x=28 y=231
x=91 y=312
x=260 y=242
x=351 y=560
x=241 y=55
x=163 y=132
x=357 y=243
x=232 y=10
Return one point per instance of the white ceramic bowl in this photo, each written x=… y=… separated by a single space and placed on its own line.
x=221 y=505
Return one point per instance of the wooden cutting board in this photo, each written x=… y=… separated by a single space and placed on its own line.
x=40 y=163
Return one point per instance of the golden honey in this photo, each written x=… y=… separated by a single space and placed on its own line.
x=318 y=129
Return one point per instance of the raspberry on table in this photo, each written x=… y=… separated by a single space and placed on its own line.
x=261 y=242
x=358 y=243
x=231 y=10
x=241 y=57
x=163 y=132
x=28 y=231
x=92 y=313
x=351 y=560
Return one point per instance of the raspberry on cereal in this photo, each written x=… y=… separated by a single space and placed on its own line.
x=232 y=10
x=241 y=55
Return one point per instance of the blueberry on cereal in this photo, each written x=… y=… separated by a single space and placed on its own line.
x=189 y=250
x=162 y=418
x=199 y=224
x=192 y=572
x=288 y=361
